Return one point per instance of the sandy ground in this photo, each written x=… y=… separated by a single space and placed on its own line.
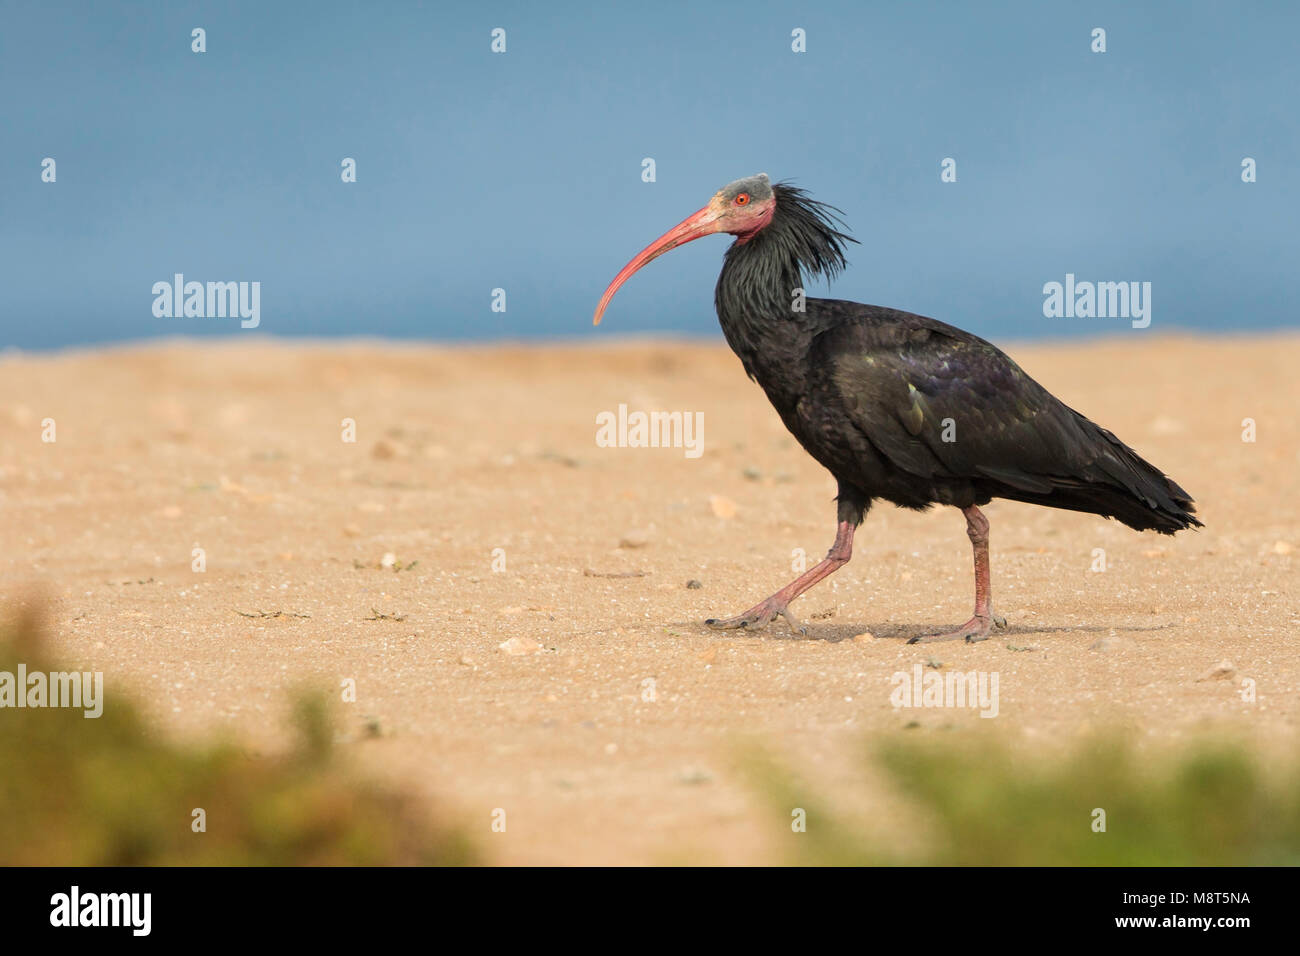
x=618 y=739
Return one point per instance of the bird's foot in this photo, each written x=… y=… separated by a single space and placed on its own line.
x=974 y=630
x=758 y=617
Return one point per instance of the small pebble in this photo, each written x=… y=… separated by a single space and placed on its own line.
x=724 y=508
x=636 y=538
x=1108 y=643
x=1220 y=671
x=694 y=775
x=519 y=646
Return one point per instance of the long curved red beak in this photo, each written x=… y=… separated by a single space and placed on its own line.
x=702 y=223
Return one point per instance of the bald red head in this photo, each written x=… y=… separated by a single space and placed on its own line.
x=741 y=208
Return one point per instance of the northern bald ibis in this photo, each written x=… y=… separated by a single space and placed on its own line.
x=898 y=406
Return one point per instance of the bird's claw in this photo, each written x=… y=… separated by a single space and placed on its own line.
x=795 y=624
x=972 y=632
x=757 y=618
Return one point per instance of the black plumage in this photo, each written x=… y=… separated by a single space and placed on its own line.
x=898 y=406
x=867 y=392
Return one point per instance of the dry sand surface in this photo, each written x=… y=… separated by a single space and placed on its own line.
x=236 y=448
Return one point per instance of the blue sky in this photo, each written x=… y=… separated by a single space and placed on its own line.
x=522 y=170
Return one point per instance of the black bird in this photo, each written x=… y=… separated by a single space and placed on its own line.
x=898 y=406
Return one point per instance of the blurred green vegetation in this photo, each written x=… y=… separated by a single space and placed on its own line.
x=972 y=800
x=110 y=791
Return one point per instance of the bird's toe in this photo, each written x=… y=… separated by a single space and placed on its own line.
x=795 y=624
x=755 y=619
x=732 y=623
x=972 y=632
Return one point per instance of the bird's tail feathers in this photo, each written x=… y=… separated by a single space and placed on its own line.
x=1120 y=484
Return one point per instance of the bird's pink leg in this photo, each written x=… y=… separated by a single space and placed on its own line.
x=978 y=627
x=778 y=605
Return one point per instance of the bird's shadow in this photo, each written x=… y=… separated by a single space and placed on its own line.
x=837 y=633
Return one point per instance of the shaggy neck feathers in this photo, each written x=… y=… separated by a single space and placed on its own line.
x=760 y=279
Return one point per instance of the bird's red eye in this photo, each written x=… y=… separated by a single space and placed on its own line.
x=742 y=199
